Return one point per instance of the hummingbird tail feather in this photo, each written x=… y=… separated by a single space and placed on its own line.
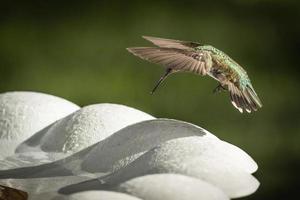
x=254 y=96
x=245 y=99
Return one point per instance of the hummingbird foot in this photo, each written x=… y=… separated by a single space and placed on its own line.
x=219 y=89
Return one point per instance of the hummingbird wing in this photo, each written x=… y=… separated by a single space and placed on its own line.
x=199 y=62
x=168 y=43
x=244 y=99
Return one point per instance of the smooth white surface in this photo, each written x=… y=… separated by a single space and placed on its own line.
x=128 y=150
x=73 y=133
x=171 y=187
x=114 y=152
x=98 y=195
x=22 y=114
x=156 y=146
x=205 y=158
x=87 y=195
x=87 y=126
x=129 y=143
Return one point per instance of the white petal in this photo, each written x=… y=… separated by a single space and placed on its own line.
x=239 y=157
x=89 y=125
x=101 y=195
x=73 y=133
x=190 y=155
x=171 y=187
x=200 y=157
x=132 y=141
x=87 y=195
x=23 y=114
x=114 y=152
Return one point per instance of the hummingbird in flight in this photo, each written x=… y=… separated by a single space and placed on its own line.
x=186 y=56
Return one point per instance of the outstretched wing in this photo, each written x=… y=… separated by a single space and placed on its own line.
x=244 y=99
x=168 y=43
x=198 y=62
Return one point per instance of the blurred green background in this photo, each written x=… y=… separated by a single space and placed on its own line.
x=76 y=50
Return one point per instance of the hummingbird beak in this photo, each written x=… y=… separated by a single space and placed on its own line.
x=168 y=71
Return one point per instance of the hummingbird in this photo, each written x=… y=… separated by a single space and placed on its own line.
x=187 y=56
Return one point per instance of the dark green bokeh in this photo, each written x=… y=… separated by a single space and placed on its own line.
x=76 y=50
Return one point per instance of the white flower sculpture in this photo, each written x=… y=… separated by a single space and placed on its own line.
x=52 y=149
